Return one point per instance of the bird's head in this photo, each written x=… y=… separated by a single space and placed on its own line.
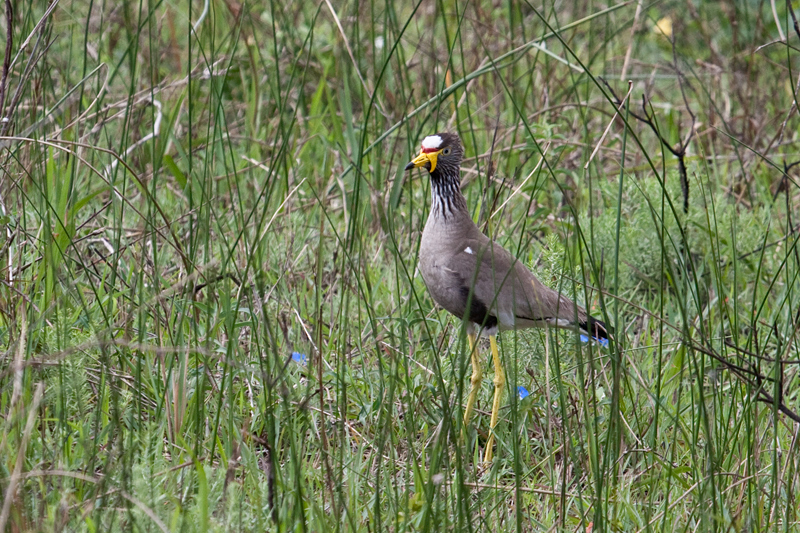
x=441 y=152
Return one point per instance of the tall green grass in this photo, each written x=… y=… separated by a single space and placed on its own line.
x=190 y=194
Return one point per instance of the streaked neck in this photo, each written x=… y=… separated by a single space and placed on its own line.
x=446 y=198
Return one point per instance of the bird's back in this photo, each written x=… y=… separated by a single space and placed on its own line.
x=477 y=279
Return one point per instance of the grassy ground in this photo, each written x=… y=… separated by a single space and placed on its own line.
x=187 y=198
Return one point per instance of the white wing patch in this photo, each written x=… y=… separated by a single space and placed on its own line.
x=469 y=250
x=431 y=141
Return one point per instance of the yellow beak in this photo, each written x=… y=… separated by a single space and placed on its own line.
x=424 y=158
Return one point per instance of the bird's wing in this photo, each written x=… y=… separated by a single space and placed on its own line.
x=543 y=304
x=497 y=288
x=502 y=287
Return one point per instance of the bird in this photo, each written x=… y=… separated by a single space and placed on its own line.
x=477 y=280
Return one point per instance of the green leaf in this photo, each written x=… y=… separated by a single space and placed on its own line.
x=180 y=177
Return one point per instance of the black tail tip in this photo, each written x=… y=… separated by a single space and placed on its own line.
x=597 y=328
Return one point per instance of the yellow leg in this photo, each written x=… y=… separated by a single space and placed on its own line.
x=477 y=377
x=499 y=385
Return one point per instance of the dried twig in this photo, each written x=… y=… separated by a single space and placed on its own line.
x=790 y=9
x=753 y=378
x=679 y=151
x=647 y=118
x=745 y=371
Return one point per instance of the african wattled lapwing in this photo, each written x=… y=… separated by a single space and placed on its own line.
x=476 y=279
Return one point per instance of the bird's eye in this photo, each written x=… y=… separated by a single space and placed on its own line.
x=446 y=151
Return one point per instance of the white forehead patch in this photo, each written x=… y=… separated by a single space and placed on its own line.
x=431 y=142
x=468 y=250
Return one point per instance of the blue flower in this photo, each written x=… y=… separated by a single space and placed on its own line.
x=299 y=358
x=523 y=392
x=602 y=342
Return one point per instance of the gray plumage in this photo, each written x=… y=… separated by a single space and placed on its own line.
x=476 y=279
